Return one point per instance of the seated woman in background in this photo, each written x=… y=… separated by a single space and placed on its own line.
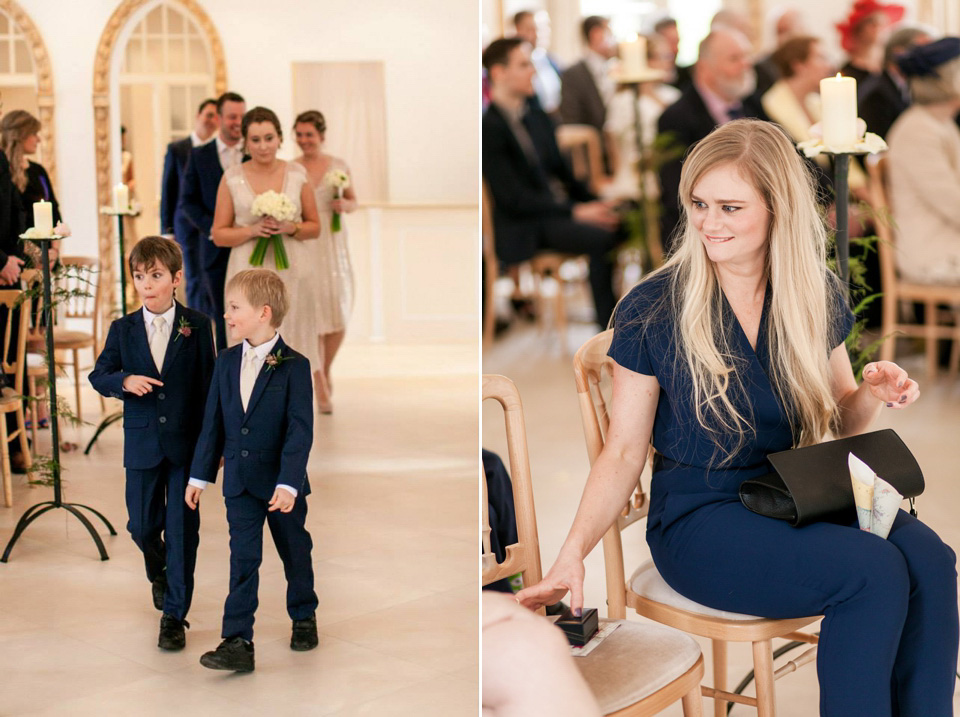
x=733 y=350
x=924 y=165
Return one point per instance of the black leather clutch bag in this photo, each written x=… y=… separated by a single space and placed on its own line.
x=813 y=483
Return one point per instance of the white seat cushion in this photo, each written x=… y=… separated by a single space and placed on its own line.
x=634 y=661
x=646 y=582
x=36 y=361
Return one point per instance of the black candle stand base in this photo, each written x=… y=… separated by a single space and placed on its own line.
x=35 y=511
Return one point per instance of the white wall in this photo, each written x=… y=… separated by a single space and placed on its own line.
x=429 y=48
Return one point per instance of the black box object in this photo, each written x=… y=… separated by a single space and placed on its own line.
x=579 y=630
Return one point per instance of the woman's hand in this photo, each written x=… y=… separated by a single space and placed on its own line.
x=566 y=575
x=341 y=206
x=262 y=228
x=890 y=383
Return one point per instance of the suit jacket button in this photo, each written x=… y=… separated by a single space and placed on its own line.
x=163 y=419
x=244 y=430
x=244 y=453
x=161 y=396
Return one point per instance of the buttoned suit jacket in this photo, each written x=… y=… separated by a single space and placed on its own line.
x=268 y=443
x=198 y=200
x=174 y=164
x=165 y=422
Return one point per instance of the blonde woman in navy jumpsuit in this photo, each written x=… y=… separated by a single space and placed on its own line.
x=734 y=350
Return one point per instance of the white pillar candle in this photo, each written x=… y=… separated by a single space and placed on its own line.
x=633 y=56
x=838 y=97
x=43 y=217
x=121 y=198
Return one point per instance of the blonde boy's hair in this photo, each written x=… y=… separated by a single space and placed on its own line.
x=262 y=287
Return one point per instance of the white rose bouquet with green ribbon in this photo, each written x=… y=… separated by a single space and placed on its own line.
x=279 y=207
x=339 y=180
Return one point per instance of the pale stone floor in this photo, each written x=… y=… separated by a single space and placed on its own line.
x=393 y=518
x=544 y=375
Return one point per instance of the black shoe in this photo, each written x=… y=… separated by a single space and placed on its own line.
x=304 y=636
x=234 y=653
x=172 y=636
x=159 y=590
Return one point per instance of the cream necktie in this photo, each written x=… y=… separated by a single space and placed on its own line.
x=248 y=376
x=158 y=342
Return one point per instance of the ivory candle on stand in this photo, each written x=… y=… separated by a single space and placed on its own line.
x=43 y=217
x=838 y=97
x=121 y=198
x=633 y=56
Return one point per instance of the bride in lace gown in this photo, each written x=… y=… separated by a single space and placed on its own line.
x=331 y=256
x=235 y=226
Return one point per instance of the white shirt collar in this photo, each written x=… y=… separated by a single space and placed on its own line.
x=223 y=146
x=149 y=316
x=263 y=349
x=195 y=140
x=597 y=63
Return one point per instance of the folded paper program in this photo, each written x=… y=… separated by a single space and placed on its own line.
x=877 y=501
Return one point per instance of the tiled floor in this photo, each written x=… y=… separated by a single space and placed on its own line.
x=393 y=519
x=544 y=375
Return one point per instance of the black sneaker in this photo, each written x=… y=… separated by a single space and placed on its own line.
x=159 y=588
x=304 y=636
x=172 y=636
x=234 y=654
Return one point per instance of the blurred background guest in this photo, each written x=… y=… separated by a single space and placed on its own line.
x=678 y=76
x=863 y=35
x=534 y=29
x=785 y=22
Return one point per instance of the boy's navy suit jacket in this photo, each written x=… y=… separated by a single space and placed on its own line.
x=269 y=443
x=164 y=423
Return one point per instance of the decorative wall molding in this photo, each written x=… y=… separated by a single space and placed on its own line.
x=44 y=73
x=101 y=124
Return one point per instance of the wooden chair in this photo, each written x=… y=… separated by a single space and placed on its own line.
x=639 y=669
x=647 y=593
x=10 y=401
x=491 y=268
x=81 y=277
x=897 y=290
x=583 y=144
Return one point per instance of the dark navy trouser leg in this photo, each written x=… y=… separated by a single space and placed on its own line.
x=294 y=545
x=245 y=516
x=146 y=510
x=182 y=536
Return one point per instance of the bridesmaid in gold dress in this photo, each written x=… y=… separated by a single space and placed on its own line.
x=334 y=274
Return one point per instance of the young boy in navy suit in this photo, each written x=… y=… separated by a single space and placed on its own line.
x=159 y=361
x=259 y=418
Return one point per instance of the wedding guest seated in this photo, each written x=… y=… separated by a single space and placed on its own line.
x=501 y=512
x=863 y=34
x=678 y=76
x=785 y=22
x=723 y=81
x=538 y=204
x=884 y=97
x=546 y=83
x=924 y=165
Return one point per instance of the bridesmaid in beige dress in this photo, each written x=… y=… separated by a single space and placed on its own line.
x=334 y=275
x=235 y=226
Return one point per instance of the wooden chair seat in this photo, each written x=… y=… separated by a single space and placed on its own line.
x=70 y=339
x=635 y=662
x=646 y=582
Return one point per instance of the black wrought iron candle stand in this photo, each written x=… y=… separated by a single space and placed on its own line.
x=35 y=511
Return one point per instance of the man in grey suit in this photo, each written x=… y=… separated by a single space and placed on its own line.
x=587 y=86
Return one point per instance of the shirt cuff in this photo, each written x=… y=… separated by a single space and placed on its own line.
x=290 y=489
x=197 y=483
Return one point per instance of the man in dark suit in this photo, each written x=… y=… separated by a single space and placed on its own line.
x=586 y=87
x=723 y=81
x=678 y=75
x=538 y=204
x=159 y=361
x=884 y=97
x=198 y=200
x=173 y=165
x=259 y=418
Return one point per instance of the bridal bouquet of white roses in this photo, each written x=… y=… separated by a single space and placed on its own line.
x=281 y=208
x=339 y=180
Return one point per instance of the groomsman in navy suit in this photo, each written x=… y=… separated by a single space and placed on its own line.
x=259 y=418
x=172 y=222
x=198 y=200
x=159 y=361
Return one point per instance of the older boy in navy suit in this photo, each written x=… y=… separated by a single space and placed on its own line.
x=259 y=417
x=159 y=361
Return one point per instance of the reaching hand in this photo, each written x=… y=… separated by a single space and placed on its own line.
x=890 y=384
x=140 y=385
x=192 y=496
x=11 y=270
x=596 y=213
x=282 y=500
x=566 y=575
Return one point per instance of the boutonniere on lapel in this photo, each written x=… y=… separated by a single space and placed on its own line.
x=184 y=329
x=275 y=359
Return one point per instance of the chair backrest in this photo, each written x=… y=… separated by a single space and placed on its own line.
x=523 y=556
x=583 y=144
x=886 y=246
x=593 y=371
x=14 y=344
x=81 y=278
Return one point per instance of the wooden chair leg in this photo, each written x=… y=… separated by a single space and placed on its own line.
x=34 y=412
x=719 y=676
x=693 y=703
x=24 y=443
x=763 y=676
x=76 y=376
x=5 y=467
x=560 y=314
x=931 y=322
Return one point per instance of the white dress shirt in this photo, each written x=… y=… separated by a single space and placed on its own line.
x=195 y=140
x=229 y=156
x=260 y=356
x=149 y=316
x=599 y=67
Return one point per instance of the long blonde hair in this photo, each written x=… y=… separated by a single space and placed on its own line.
x=15 y=127
x=799 y=320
